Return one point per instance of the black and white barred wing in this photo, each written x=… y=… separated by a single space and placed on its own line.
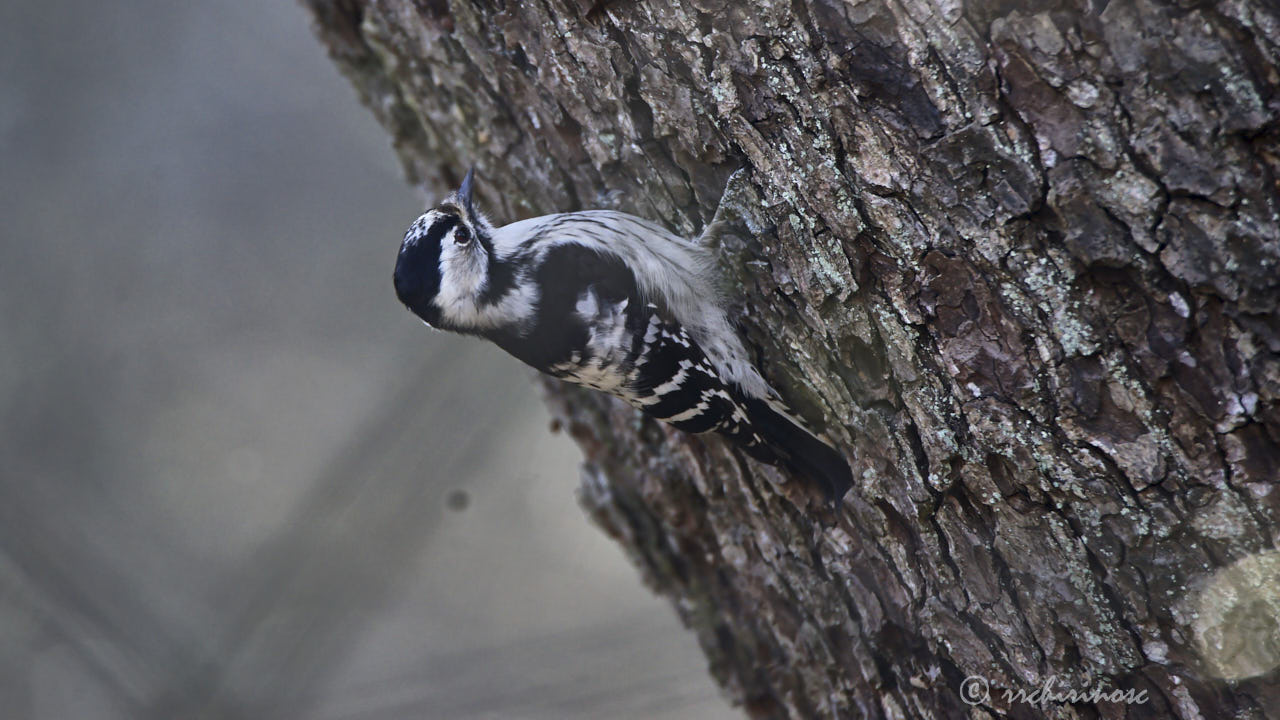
x=675 y=382
x=678 y=384
x=666 y=375
x=636 y=350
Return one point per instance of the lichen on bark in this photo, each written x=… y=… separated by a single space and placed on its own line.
x=1019 y=260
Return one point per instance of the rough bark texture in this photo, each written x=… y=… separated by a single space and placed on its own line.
x=1019 y=259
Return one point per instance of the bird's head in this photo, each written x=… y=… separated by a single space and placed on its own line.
x=446 y=260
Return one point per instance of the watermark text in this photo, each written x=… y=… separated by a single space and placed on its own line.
x=976 y=690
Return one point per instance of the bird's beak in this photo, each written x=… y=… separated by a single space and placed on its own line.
x=465 y=190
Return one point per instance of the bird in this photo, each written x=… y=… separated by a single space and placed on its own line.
x=612 y=302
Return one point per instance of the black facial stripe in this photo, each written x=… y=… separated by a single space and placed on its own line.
x=417 y=273
x=501 y=279
x=439 y=228
x=473 y=224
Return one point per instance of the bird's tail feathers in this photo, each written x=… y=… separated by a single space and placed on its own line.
x=798 y=449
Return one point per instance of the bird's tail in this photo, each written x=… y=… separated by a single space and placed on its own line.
x=790 y=444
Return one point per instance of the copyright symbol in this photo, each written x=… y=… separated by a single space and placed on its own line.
x=975 y=690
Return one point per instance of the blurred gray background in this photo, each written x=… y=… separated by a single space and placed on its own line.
x=232 y=468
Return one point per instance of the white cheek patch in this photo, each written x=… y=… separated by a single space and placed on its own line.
x=464 y=276
x=464 y=269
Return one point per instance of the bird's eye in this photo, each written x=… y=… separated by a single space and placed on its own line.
x=462 y=235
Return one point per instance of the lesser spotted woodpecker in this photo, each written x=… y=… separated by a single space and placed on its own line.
x=612 y=302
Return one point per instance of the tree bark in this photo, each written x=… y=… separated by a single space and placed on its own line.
x=1020 y=260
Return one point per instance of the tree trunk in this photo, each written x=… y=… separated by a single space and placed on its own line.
x=1020 y=260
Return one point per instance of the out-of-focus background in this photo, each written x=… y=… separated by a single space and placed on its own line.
x=237 y=480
